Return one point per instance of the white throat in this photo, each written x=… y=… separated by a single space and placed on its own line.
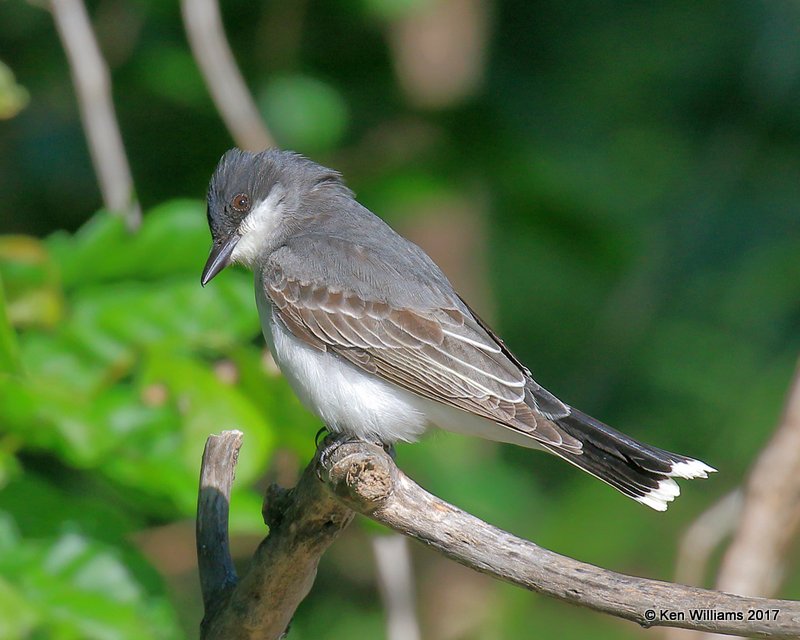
x=259 y=227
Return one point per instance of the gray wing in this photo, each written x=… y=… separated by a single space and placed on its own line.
x=430 y=343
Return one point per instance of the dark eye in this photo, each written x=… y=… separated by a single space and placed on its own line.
x=241 y=202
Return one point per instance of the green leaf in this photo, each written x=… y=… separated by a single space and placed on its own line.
x=76 y=588
x=306 y=114
x=33 y=293
x=171 y=72
x=88 y=255
x=9 y=465
x=263 y=384
x=172 y=240
x=52 y=419
x=394 y=9
x=13 y=99
x=148 y=461
x=78 y=500
x=9 y=350
x=207 y=405
x=9 y=534
x=82 y=429
x=120 y=320
x=245 y=510
x=18 y=617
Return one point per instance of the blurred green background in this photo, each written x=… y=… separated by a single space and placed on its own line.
x=613 y=184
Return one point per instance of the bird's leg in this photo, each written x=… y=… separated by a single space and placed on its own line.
x=332 y=440
x=323 y=429
x=390 y=450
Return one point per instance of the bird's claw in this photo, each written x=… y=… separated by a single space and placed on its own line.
x=322 y=430
x=332 y=441
x=390 y=450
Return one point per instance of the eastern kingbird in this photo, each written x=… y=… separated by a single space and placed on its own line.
x=374 y=340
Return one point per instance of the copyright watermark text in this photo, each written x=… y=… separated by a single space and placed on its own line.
x=709 y=615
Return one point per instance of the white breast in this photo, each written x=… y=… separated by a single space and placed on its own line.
x=345 y=398
x=352 y=401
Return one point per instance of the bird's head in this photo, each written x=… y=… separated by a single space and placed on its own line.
x=254 y=203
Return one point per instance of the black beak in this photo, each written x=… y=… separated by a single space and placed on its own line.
x=219 y=259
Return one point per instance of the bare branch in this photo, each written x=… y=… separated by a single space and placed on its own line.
x=217 y=573
x=203 y=23
x=697 y=545
x=396 y=581
x=92 y=82
x=705 y=535
x=303 y=523
x=362 y=477
x=366 y=479
x=771 y=511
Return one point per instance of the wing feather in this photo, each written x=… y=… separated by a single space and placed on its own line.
x=446 y=354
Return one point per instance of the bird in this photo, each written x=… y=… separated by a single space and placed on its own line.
x=373 y=338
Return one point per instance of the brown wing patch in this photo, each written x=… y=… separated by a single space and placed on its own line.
x=440 y=354
x=544 y=401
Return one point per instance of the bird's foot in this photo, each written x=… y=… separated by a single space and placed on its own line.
x=390 y=450
x=323 y=430
x=330 y=443
x=332 y=440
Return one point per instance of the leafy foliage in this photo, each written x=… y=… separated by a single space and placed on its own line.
x=72 y=587
x=112 y=376
x=624 y=181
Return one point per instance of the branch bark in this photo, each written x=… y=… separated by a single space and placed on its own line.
x=303 y=522
x=396 y=582
x=92 y=82
x=770 y=514
x=217 y=573
x=704 y=536
x=364 y=478
x=203 y=23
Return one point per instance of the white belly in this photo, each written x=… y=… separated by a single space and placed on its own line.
x=353 y=401
x=345 y=398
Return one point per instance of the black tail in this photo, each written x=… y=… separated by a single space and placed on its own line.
x=640 y=471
